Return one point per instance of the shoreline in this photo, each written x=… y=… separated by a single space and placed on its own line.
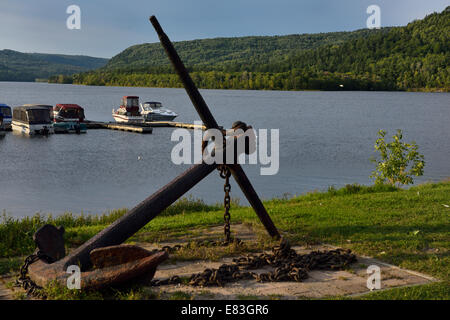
x=416 y=90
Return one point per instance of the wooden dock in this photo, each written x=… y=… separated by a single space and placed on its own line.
x=175 y=124
x=129 y=128
x=146 y=127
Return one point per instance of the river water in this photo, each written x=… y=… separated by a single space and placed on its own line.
x=326 y=138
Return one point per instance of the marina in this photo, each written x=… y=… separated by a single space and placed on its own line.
x=70 y=118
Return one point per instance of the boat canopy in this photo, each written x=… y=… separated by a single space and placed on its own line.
x=38 y=105
x=68 y=106
x=32 y=114
x=5 y=110
x=131 y=103
x=70 y=111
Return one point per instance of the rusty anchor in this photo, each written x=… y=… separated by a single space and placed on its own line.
x=104 y=260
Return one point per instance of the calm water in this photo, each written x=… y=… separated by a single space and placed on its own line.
x=326 y=138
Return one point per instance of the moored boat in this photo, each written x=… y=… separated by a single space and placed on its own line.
x=128 y=112
x=32 y=120
x=47 y=106
x=2 y=126
x=68 y=118
x=6 y=115
x=154 y=111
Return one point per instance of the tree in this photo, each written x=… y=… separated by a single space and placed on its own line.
x=398 y=162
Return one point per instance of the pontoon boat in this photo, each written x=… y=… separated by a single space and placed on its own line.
x=32 y=120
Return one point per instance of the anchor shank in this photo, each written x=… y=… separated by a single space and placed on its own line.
x=139 y=216
x=208 y=119
x=195 y=96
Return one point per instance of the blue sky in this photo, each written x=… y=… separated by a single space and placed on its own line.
x=108 y=27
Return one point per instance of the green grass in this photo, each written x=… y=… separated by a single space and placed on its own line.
x=8 y=265
x=409 y=228
x=179 y=295
x=55 y=291
x=432 y=291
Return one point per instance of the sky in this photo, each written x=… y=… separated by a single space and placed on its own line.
x=108 y=27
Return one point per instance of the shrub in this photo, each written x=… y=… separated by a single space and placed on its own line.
x=398 y=162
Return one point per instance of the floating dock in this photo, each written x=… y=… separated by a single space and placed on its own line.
x=129 y=128
x=146 y=127
x=175 y=124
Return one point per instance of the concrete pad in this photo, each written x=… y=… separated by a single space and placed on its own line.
x=319 y=284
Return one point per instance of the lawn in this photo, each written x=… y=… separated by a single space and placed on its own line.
x=406 y=227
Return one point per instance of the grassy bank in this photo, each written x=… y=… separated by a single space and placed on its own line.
x=409 y=228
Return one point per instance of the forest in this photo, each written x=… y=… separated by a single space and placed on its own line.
x=412 y=57
x=18 y=66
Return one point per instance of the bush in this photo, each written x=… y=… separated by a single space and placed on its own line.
x=399 y=161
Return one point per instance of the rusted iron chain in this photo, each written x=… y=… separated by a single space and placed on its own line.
x=199 y=243
x=24 y=281
x=225 y=173
x=287 y=264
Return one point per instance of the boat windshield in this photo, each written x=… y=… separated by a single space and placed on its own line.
x=6 y=111
x=71 y=113
x=37 y=116
x=152 y=105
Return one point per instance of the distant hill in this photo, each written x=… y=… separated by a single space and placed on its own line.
x=413 y=57
x=18 y=66
x=416 y=56
x=230 y=54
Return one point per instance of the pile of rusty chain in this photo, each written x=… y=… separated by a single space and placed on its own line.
x=200 y=243
x=24 y=281
x=191 y=245
x=287 y=264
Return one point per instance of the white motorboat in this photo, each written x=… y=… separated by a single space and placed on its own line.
x=154 y=111
x=128 y=112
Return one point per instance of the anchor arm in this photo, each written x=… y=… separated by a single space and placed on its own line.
x=140 y=215
x=119 y=231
